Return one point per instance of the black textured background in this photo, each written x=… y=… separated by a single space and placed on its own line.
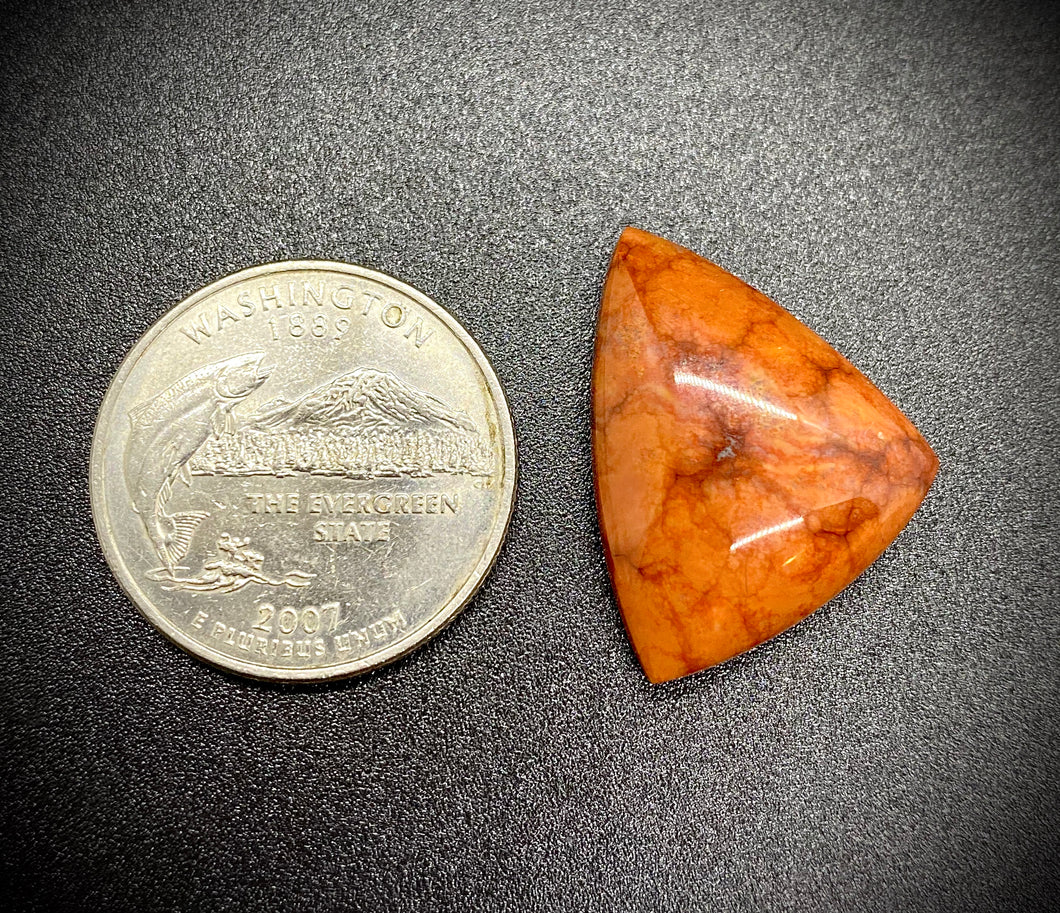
x=887 y=171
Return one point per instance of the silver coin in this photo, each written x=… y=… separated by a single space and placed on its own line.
x=303 y=471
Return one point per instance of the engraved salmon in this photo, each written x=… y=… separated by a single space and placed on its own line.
x=167 y=430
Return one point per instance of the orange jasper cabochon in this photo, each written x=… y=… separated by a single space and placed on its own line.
x=745 y=471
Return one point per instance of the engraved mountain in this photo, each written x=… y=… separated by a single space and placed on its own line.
x=364 y=424
x=364 y=399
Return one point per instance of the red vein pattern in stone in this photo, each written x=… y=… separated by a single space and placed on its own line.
x=745 y=471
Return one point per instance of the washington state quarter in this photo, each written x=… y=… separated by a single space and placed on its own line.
x=303 y=471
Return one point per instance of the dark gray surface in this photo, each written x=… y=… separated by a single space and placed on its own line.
x=886 y=171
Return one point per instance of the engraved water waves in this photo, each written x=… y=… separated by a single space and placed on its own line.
x=365 y=424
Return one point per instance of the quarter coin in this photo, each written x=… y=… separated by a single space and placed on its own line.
x=303 y=471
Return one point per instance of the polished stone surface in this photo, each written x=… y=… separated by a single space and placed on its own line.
x=746 y=472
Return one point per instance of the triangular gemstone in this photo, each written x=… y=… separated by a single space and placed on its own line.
x=745 y=471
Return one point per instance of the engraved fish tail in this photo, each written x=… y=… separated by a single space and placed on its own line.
x=183 y=526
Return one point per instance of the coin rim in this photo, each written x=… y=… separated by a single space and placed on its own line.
x=424 y=633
